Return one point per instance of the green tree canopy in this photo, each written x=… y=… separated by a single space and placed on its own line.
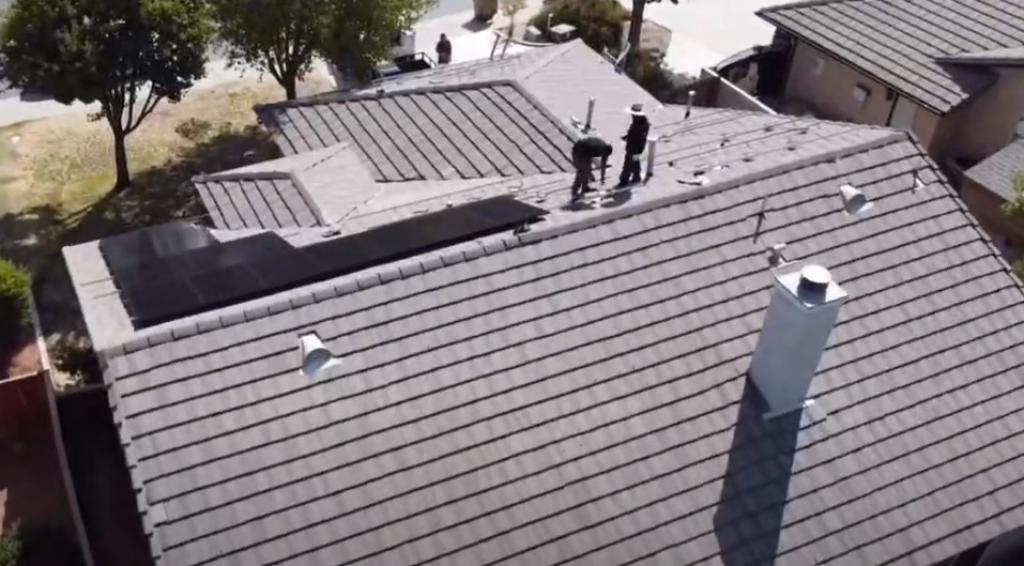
x=360 y=33
x=127 y=55
x=276 y=36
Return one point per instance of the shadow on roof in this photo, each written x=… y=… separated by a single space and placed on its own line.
x=748 y=520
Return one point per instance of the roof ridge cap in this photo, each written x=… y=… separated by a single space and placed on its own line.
x=685 y=196
x=548 y=58
x=798 y=5
x=242 y=176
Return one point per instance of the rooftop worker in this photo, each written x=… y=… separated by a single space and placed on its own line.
x=584 y=152
x=444 y=50
x=636 y=142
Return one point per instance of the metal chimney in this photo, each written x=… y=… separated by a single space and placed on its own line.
x=804 y=307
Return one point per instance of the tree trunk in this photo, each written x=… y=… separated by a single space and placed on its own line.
x=636 y=26
x=121 y=160
x=288 y=82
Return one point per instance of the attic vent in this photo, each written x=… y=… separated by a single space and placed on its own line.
x=315 y=356
x=855 y=203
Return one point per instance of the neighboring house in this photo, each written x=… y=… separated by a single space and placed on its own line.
x=507 y=381
x=989 y=184
x=951 y=72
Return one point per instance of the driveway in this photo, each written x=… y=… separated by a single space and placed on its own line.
x=705 y=32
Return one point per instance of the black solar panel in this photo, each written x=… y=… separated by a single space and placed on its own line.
x=172 y=271
x=154 y=243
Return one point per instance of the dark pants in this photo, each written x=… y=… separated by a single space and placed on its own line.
x=630 y=169
x=582 y=181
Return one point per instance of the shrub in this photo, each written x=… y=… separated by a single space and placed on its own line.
x=15 y=291
x=650 y=72
x=38 y=546
x=599 y=23
x=74 y=356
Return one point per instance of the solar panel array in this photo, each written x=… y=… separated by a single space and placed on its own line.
x=176 y=270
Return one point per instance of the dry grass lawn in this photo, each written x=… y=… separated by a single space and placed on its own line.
x=56 y=177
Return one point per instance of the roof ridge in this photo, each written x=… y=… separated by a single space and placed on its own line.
x=738 y=181
x=243 y=176
x=466 y=251
x=798 y=5
x=338 y=96
x=556 y=52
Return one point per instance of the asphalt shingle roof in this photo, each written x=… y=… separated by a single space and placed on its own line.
x=577 y=394
x=996 y=173
x=898 y=42
x=444 y=132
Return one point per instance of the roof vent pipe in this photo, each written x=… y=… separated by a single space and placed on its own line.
x=652 y=151
x=689 y=102
x=315 y=356
x=804 y=308
x=855 y=203
x=590 y=112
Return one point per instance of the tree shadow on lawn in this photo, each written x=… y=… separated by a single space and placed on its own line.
x=34 y=236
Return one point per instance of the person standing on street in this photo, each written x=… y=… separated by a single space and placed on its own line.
x=636 y=142
x=584 y=152
x=444 y=50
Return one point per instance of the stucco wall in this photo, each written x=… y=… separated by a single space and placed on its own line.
x=987 y=208
x=829 y=93
x=987 y=123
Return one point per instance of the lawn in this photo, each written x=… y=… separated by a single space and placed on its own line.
x=56 y=177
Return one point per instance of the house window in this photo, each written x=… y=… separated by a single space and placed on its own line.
x=861 y=94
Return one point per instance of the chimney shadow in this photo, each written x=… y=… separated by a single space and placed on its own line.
x=748 y=521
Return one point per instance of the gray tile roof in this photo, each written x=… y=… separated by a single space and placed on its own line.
x=577 y=394
x=442 y=132
x=257 y=200
x=1012 y=56
x=898 y=42
x=996 y=173
x=314 y=188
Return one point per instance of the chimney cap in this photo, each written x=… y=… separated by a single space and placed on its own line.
x=809 y=284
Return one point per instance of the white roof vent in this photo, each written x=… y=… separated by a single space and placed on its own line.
x=855 y=203
x=315 y=356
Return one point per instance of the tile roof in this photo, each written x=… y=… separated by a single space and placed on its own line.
x=314 y=188
x=577 y=394
x=1013 y=56
x=996 y=173
x=899 y=42
x=441 y=132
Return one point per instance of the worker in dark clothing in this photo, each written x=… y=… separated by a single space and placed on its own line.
x=444 y=50
x=636 y=142
x=584 y=152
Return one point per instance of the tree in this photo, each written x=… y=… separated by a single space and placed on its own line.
x=127 y=55
x=636 y=23
x=1015 y=207
x=276 y=36
x=359 y=33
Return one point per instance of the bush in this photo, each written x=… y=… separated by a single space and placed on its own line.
x=599 y=23
x=1018 y=268
x=650 y=72
x=38 y=546
x=15 y=292
x=74 y=356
